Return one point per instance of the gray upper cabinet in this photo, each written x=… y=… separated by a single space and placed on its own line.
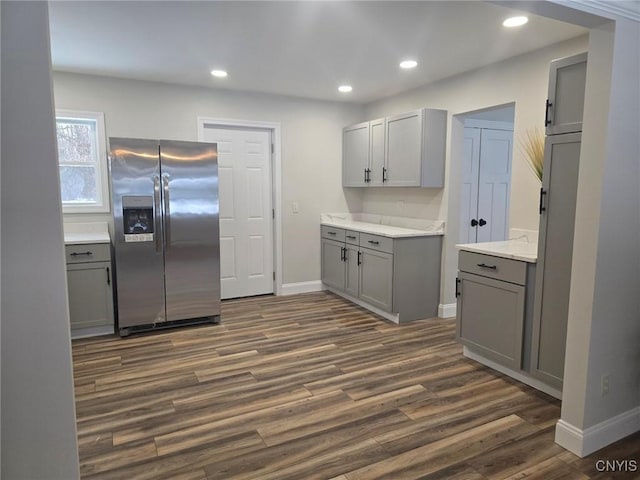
x=555 y=252
x=355 y=155
x=406 y=150
x=565 y=105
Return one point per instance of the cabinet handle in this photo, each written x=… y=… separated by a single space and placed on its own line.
x=77 y=254
x=373 y=242
x=457 y=284
x=547 y=122
x=474 y=222
x=482 y=222
x=359 y=261
x=541 y=207
x=108 y=276
x=368 y=175
x=365 y=176
x=384 y=174
x=490 y=267
x=351 y=237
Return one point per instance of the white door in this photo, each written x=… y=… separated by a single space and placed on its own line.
x=486 y=185
x=469 y=194
x=494 y=185
x=246 y=222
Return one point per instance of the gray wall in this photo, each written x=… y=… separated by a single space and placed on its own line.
x=38 y=417
x=311 y=144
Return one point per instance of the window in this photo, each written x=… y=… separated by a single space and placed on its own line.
x=82 y=157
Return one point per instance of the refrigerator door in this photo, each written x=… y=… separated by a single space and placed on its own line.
x=189 y=175
x=137 y=215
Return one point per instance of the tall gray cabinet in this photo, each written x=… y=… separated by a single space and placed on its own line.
x=557 y=217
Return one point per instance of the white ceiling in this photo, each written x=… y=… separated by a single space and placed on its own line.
x=304 y=49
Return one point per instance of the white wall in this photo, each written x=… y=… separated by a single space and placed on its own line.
x=38 y=415
x=522 y=80
x=603 y=334
x=311 y=144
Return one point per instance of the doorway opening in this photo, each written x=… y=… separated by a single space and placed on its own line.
x=486 y=174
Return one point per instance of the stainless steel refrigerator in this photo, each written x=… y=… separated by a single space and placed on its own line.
x=166 y=242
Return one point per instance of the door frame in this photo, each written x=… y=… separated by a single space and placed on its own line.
x=276 y=178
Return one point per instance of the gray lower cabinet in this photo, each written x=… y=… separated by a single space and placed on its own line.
x=376 y=278
x=396 y=275
x=493 y=306
x=89 y=281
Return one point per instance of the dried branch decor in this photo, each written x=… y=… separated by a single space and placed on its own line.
x=533 y=149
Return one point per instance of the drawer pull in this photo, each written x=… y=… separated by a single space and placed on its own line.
x=77 y=254
x=331 y=233
x=374 y=242
x=351 y=237
x=490 y=267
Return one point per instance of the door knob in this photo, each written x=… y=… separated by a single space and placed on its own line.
x=474 y=222
x=482 y=222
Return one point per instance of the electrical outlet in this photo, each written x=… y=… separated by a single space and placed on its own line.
x=295 y=208
x=604 y=384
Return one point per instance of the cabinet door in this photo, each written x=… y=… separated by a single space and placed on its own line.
x=333 y=269
x=555 y=252
x=352 y=274
x=90 y=294
x=376 y=278
x=490 y=318
x=378 y=166
x=565 y=105
x=355 y=155
x=404 y=149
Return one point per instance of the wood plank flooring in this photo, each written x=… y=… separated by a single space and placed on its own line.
x=311 y=387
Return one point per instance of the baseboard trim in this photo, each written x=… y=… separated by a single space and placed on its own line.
x=92 y=331
x=447 y=310
x=591 y=439
x=392 y=317
x=520 y=376
x=301 y=287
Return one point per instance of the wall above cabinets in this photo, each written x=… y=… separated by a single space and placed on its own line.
x=405 y=150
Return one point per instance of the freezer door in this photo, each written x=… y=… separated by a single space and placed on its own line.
x=137 y=217
x=189 y=174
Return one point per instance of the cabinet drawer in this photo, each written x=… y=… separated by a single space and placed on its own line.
x=352 y=237
x=332 y=233
x=504 y=269
x=376 y=242
x=90 y=252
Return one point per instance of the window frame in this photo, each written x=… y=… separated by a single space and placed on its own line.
x=103 y=205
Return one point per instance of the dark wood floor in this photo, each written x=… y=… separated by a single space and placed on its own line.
x=311 y=386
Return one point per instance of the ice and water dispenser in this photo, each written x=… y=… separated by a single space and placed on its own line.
x=137 y=216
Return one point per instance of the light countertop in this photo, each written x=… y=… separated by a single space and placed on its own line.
x=519 y=249
x=83 y=233
x=393 y=227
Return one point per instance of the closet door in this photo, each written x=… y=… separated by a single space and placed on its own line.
x=494 y=185
x=469 y=193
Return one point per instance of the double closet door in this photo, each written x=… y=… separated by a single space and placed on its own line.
x=486 y=185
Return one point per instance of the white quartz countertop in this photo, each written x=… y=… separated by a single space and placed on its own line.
x=393 y=227
x=82 y=233
x=519 y=249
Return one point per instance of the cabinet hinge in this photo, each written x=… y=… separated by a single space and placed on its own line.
x=274 y=276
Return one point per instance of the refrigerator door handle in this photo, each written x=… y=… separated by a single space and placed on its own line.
x=156 y=212
x=167 y=213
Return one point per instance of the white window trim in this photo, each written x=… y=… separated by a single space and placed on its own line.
x=103 y=206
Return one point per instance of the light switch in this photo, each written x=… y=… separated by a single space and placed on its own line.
x=295 y=208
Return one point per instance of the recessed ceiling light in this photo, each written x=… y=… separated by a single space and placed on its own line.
x=515 y=21
x=219 y=73
x=408 y=64
x=345 y=88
